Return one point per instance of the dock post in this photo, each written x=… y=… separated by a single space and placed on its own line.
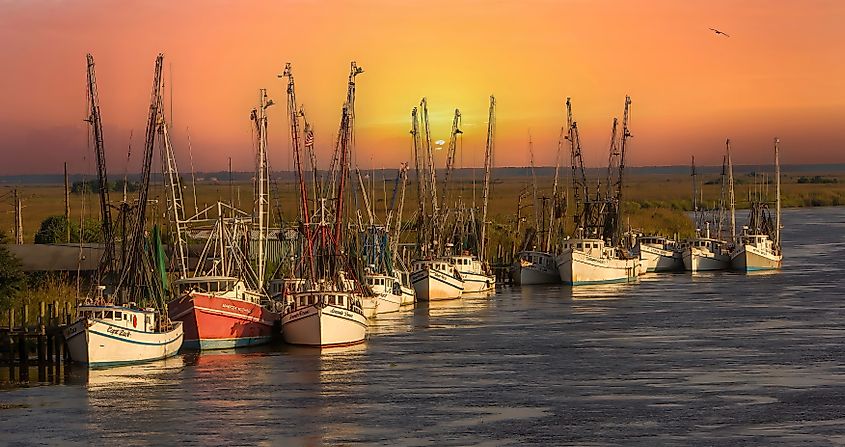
x=40 y=343
x=23 y=352
x=51 y=335
x=11 y=341
x=68 y=321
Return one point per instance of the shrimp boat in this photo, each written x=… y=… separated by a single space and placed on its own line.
x=106 y=333
x=703 y=254
x=221 y=312
x=659 y=254
x=113 y=329
x=436 y=279
x=321 y=315
x=325 y=308
x=596 y=254
x=759 y=247
x=476 y=274
x=535 y=267
x=223 y=303
x=390 y=286
x=590 y=261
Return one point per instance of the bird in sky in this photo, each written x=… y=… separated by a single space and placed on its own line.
x=720 y=32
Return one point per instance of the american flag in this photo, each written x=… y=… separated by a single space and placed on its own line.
x=309 y=138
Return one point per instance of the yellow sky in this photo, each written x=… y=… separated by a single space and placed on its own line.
x=780 y=73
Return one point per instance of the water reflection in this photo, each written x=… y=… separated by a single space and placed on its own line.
x=127 y=375
x=713 y=358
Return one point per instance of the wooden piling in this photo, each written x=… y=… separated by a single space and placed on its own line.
x=11 y=342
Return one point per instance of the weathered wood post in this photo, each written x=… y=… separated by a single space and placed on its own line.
x=11 y=342
x=40 y=342
x=68 y=320
x=51 y=335
x=23 y=354
x=57 y=342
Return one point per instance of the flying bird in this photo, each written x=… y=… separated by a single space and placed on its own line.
x=720 y=32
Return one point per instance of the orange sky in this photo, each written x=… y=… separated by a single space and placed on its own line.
x=780 y=73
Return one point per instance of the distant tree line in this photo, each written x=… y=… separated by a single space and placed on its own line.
x=817 y=179
x=79 y=187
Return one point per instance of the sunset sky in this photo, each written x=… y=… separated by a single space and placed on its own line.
x=780 y=73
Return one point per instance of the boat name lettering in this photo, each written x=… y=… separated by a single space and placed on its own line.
x=299 y=313
x=340 y=312
x=117 y=331
x=231 y=307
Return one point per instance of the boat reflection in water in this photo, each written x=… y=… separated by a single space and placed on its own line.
x=111 y=377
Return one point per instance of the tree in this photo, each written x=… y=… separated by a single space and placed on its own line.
x=12 y=279
x=54 y=230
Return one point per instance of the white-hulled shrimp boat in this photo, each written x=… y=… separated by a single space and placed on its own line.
x=436 y=279
x=535 y=267
x=590 y=261
x=324 y=318
x=659 y=254
x=477 y=277
x=112 y=334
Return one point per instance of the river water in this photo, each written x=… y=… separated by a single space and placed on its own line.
x=677 y=359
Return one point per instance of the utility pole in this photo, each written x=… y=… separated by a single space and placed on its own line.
x=18 y=220
x=67 y=205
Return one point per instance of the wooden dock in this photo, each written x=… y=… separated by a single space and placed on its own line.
x=25 y=345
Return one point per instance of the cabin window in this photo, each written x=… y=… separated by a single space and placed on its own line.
x=118 y=315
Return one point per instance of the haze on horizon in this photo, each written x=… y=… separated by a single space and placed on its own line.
x=778 y=74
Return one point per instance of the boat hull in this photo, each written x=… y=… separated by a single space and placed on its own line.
x=434 y=285
x=478 y=283
x=659 y=260
x=578 y=268
x=213 y=322
x=315 y=325
x=702 y=261
x=526 y=273
x=748 y=258
x=96 y=342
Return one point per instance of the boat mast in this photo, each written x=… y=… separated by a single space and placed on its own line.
x=262 y=182
x=695 y=213
x=579 y=176
x=175 y=205
x=293 y=117
x=435 y=209
x=312 y=156
x=732 y=199
x=450 y=154
x=777 y=191
x=535 y=203
x=419 y=168
x=488 y=166
x=95 y=122
x=133 y=275
x=553 y=216
x=403 y=178
x=626 y=134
